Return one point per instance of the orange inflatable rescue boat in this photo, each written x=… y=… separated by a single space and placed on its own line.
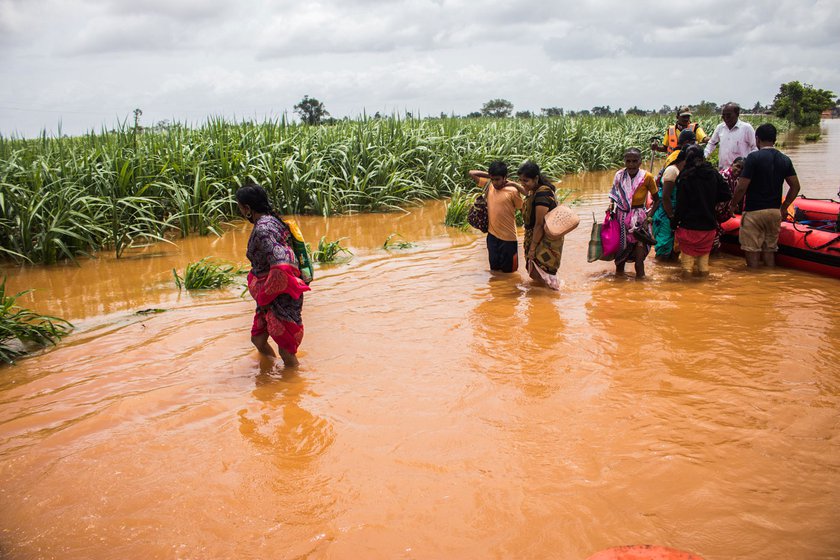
x=809 y=240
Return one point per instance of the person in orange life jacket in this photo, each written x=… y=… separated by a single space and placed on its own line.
x=503 y=200
x=672 y=134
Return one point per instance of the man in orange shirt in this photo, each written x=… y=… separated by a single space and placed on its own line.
x=503 y=200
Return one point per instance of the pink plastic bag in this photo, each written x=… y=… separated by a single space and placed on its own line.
x=610 y=236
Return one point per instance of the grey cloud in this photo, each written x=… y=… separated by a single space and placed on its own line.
x=130 y=34
x=179 y=10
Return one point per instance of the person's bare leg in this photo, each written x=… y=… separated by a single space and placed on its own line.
x=703 y=265
x=687 y=264
x=753 y=259
x=639 y=254
x=289 y=360
x=768 y=258
x=260 y=341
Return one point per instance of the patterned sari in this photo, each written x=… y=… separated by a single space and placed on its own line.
x=274 y=283
x=548 y=252
x=722 y=209
x=632 y=220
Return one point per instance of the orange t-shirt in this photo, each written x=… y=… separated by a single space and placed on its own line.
x=501 y=205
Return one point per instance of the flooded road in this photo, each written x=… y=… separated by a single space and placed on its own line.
x=439 y=411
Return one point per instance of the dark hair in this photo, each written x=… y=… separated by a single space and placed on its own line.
x=532 y=171
x=735 y=107
x=738 y=159
x=256 y=198
x=497 y=169
x=686 y=137
x=680 y=157
x=766 y=133
x=635 y=151
x=693 y=156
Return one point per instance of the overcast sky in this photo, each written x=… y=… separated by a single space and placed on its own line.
x=89 y=63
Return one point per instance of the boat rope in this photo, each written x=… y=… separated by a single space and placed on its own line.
x=803 y=197
x=808 y=232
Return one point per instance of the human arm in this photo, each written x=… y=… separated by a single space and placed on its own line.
x=723 y=193
x=701 y=135
x=712 y=143
x=667 y=191
x=740 y=190
x=477 y=175
x=518 y=187
x=539 y=230
x=793 y=191
x=653 y=191
x=657 y=146
x=655 y=202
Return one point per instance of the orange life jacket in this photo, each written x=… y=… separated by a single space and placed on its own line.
x=673 y=135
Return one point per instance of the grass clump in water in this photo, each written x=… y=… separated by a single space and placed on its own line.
x=812 y=137
x=331 y=251
x=458 y=208
x=21 y=328
x=207 y=274
x=397 y=241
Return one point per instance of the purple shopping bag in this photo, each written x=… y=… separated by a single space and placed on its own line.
x=610 y=235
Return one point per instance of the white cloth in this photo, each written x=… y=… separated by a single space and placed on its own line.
x=734 y=142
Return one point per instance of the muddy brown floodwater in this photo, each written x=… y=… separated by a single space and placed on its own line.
x=439 y=411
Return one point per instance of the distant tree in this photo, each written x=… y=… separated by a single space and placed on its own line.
x=584 y=113
x=552 y=111
x=473 y=115
x=757 y=108
x=802 y=104
x=524 y=114
x=137 y=113
x=408 y=115
x=706 y=108
x=443 y=115
x=634 y=110
x=601 y=111
x=499 y=108
x=310 y=110
x=665 y=110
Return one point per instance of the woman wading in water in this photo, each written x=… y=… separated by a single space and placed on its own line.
x=628 y=197
x=274 y=281
x=542 y=255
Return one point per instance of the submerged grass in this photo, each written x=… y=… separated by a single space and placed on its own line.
x=22 y=330
x=397 y=241
x=331 y=251
x=207 y=274
x=115 y=190
x=457 y=208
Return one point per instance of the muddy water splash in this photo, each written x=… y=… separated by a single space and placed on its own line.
x=439 y=412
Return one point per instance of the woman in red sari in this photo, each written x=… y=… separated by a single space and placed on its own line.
x=274 y=281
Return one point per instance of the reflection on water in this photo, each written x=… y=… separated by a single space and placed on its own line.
x=440 y=411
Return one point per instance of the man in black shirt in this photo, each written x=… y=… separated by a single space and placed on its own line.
x=762 y=179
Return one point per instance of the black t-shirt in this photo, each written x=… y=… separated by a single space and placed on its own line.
x=767 y=170
x=699 y=189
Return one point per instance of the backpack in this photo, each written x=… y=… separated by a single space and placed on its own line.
x=301 y=252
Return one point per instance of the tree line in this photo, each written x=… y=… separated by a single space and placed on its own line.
x=801 y=104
